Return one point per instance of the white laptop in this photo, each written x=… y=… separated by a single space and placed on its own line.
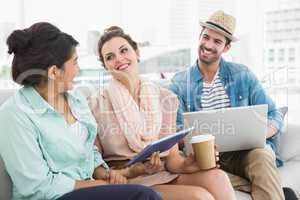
x=237 y=128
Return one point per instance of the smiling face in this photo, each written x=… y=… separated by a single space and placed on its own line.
x=70 y=71
x=211 y=46
x=63 y=78
x=120 y=59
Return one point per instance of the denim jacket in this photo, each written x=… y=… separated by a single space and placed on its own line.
x=241 y=86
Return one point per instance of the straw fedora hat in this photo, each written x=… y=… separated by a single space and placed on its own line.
x=221 y=23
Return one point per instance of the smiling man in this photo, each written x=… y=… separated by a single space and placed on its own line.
x=213 y=83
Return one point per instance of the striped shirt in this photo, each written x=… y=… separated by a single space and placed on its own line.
x=214 y=95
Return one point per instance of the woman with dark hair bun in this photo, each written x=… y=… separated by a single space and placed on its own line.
x=48 y=132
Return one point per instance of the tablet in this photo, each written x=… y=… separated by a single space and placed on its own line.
x=161 y=145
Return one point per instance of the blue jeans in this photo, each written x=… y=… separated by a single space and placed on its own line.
x=113 y=192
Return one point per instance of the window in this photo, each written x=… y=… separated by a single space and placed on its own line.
x=281 y=55
x=271 y=55
x=169 y=38
x=9 y=17
x=292 y=54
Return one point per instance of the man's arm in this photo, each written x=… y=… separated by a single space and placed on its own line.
x=259 y=96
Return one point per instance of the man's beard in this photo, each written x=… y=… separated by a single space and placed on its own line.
x=212 y=59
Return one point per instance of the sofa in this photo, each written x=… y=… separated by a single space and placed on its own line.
x=289 y=150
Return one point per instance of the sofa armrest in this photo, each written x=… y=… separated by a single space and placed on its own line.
x=290 y=142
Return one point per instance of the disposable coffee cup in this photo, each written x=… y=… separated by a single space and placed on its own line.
x=204 y=150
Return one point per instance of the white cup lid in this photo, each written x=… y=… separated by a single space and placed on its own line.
x=201 y=138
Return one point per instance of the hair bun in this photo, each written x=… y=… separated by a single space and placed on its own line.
x=113 y=28
x=17 y=41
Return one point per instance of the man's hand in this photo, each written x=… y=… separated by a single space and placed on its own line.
x=271 y=131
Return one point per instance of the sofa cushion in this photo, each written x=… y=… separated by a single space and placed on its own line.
x=289 y=142
x=290 y=175
x=275 y=140
x=5 y=183
x=242 y=195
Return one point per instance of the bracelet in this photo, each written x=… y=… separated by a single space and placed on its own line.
x=107 y=174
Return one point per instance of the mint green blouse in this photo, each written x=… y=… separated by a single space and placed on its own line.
x=41 y=154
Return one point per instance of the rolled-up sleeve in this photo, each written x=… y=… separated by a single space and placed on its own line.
x=259 y=96
x=98 y=160
x=24 y=162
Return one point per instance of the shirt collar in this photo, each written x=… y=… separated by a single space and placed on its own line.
x=223 y=70
x=39 y=104
x=195 y=72
x=197 y=75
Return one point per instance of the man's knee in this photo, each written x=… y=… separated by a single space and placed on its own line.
x=260 y=162
x=260 y=155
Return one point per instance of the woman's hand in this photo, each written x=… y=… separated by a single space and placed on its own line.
x=154 y=165
x=102 y=176
x=109 y=176
x=114 y=177
x=149 y=167
x=190 y=165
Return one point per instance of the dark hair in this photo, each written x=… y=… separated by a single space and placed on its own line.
x=37 y=48
x=112 y=32
x=227 y=42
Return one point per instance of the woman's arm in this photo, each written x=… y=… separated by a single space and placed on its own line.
x=111 y=176
x=97 y=143
x=177 y=163
x=98 y=160
x=152 y=166
x=102 y=170
x=86 y=184
x=174 y=161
